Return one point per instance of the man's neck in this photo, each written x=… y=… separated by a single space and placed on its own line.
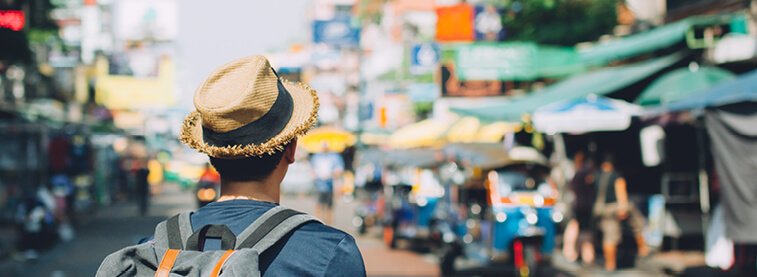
x=263 y=190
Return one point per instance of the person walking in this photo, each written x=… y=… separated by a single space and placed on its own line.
x=142 y=189
x=579 y=228
x=327 y=167
x=612 y=206
x=247 y=121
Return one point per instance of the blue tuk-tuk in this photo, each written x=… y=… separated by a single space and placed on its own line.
x=505 y=212
x=411 y=192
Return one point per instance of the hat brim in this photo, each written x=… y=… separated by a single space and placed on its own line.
x=304 y=117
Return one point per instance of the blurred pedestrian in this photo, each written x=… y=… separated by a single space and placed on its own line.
x=247 y=121
x=36 y=219
x=612 y=207
x=142 y=185
x=580 y=226
x=327 y=167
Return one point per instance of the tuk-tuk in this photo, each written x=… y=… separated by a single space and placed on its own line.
x=514 y=222
x=411 y=192
x=369 y=189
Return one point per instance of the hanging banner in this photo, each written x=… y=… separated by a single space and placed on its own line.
x=338 y=31
x=455 y=23
x=424 y=58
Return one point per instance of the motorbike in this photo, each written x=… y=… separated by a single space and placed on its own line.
x=508 y=218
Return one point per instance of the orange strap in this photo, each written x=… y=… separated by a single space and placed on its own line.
x=217 y=269
x=167 y=263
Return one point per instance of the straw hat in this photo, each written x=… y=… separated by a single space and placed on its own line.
x=244 y=109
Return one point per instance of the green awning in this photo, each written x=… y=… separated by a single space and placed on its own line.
x=658 y=38
x=600 y=82
x=682 y=82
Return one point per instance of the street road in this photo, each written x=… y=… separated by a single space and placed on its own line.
x=119 y=225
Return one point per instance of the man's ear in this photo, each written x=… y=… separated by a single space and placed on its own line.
x=289 y=151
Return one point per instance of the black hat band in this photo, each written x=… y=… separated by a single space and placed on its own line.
x=258 y=131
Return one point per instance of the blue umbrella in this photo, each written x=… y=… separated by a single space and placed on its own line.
x=589 y=114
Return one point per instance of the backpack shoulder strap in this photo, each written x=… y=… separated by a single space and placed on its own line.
x=271 y=227
x=174 y=232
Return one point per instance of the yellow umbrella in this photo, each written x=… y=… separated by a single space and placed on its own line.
x=495 y=131
x=337 y=139
x=374 y=138
x=464 y=130
x=424 y=133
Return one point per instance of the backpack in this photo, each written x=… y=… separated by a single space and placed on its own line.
x=176 y=250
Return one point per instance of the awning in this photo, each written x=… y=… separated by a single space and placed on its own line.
x=682 y=82
x=742 y=89
x=425 y=133
x=494 y=132
x=464 y=130
x=599 y=82
x=418 y=157
x=481 y=155
x=658 y=38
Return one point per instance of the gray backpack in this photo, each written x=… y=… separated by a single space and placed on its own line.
x=176 y=250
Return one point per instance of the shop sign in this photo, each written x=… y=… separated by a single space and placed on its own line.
x=517 y=61
x=424 y=58
x=338 y=31
x=12 y=19
x=452 y=86
x=455 y=23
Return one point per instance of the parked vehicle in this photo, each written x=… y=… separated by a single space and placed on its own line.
x=369 y=190
x=206 y=192
x=208 y=187
x=506 y=213
x=411 y=192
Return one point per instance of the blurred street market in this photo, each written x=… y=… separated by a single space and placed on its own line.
x=463 y=137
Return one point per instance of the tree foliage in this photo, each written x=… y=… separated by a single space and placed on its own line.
x=559 y=22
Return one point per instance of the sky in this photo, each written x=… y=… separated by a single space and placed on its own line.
x=212 y=33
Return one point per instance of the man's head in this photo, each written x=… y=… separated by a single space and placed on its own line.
x=608 y=162
x=257 y=168
x=247 y=119
x=578 y=158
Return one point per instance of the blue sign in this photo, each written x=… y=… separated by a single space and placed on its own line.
x=424 y=58
x=338 y=31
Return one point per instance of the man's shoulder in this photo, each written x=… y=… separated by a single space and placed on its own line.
x=335 y=249
x=317 y=230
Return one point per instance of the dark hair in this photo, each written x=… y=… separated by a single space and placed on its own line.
x=247 y=169
x=608 y=158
